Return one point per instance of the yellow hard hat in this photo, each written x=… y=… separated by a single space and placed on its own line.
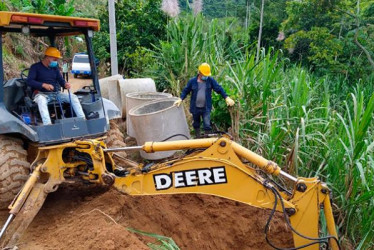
x=53 y=52
x=204 y=69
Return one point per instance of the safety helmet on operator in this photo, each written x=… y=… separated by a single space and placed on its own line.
x=53 y=52
x=204 y=69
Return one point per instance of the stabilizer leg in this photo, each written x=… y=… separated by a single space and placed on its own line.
x=25 y=216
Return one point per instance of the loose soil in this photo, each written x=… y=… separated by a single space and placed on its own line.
x=79 y=216
x=88 y=217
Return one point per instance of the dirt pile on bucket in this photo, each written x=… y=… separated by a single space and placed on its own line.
x=87 y=217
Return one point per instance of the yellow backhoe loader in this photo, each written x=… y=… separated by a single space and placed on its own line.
x=71 y=149
x=214 y=166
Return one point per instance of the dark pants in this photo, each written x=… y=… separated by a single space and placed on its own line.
x=65 y=76
x=205 y=115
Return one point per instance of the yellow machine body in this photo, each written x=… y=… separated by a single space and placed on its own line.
x=216 y=168
x=18 y=18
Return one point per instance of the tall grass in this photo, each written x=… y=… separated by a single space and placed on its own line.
x=350 y=168
x=295 y=125
x=310 y=126
x=191 y=41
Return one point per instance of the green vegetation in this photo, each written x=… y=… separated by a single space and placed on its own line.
x=54 y=7
x=317 y=31
x=139 y=25
x=310 y=124
x=162 y=243
x=189 y=42
x=307 y=102
x=86 y=8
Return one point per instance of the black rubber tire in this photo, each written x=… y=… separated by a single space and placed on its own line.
x=14 y=169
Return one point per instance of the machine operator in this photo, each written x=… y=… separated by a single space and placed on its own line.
x=46 y=81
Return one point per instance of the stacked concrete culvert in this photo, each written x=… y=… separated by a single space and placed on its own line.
x=159 y=120
x=115 y=89
x=135 y=85
x=104 y=86
x=136 y=99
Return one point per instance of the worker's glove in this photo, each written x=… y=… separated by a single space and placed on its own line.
x=178 y=102
x=230 y=102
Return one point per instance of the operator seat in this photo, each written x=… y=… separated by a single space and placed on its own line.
x=55 y=110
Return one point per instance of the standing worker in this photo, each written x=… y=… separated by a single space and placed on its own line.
x=65 y=70
x=201 y=98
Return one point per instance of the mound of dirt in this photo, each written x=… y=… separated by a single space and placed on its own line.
x=87 y=217
x=79 y=216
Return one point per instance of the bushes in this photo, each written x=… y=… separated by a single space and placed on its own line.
x=286 y=116
x=53 y=7
x=310 y=125
x=191 y=41
x=317 y=48
x=139 y=24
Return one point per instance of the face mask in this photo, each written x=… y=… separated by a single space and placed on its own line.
x=204 y=78
x=53 y=64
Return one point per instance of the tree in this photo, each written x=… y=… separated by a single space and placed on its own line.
x=260 y=30
x=139 y=25
x=3 y=6
x=358 y=24
x=53 y=7
x=345 y=24
x=273 y=15
x=317 y=48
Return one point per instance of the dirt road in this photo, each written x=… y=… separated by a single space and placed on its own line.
x=80 y=82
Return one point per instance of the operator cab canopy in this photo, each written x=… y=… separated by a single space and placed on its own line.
x=98 y=111
x=51 y=26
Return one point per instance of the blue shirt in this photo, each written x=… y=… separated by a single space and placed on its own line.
x=39 y=74
x=192 y=86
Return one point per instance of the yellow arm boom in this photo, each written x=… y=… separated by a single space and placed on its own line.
x=219 y=171
x=216 y=168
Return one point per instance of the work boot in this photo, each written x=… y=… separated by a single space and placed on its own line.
x=207 y=133
x=197 y=133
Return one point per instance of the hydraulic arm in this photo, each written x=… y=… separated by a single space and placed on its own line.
x=215 y=166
